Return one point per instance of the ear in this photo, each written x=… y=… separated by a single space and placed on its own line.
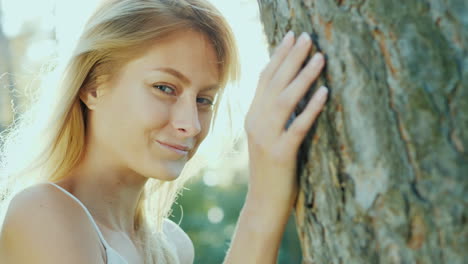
x=90 y=96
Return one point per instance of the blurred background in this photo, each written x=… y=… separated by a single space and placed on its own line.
x=33 y=32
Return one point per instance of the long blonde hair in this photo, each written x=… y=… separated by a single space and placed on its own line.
x=47 y=141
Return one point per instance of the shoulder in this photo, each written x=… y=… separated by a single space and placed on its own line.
x=49 y=226
x=180 y=240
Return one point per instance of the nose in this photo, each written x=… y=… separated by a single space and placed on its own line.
x=185 y=117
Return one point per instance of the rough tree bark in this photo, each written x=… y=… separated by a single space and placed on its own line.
x=384 y=172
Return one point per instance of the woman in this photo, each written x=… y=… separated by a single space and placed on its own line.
x=101 y=154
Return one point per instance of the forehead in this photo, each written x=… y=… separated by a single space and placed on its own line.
x=189 y=52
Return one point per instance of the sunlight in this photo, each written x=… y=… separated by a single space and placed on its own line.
x=215 y=214
x=18 y=12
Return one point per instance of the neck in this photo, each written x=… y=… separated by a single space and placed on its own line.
x=111 y=195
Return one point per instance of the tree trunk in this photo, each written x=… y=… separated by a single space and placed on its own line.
x=384 y=171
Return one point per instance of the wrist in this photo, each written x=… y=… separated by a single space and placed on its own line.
x=266 y=213
x=278 y=189
x=271 y=200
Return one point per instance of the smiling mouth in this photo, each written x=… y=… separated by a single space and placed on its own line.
x=181 y=150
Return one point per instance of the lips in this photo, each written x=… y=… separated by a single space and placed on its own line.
x=180 y=149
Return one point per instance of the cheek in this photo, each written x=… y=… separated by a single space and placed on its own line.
x=154 y=113
x=205 y=122
x=131 y=118
x=149 y=112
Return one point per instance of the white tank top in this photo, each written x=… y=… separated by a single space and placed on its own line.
x=112 y=256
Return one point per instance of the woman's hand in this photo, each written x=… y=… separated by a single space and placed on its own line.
x=273 y=148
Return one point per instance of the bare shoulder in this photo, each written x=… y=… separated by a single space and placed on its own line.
x=41 y=221
x=181 y=240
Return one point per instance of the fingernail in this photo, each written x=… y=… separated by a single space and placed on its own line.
x=322 y=92
x=317 y=57
x=288 y=35
x=304 y=37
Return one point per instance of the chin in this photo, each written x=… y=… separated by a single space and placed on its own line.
x=168 y=172
x=170 y=177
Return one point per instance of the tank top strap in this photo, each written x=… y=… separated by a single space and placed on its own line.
x=106 y=245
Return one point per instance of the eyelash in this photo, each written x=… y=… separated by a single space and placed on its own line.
x=159 y=86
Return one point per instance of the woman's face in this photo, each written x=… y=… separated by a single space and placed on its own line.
x=155 y=113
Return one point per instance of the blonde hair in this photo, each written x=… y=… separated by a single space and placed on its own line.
x=46 y=142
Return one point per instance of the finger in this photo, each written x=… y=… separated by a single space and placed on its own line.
x=291 y=65
x=301 y=125
x=290 y=97
x=278 y=56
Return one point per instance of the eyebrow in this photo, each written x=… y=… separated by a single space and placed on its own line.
x=184 y=78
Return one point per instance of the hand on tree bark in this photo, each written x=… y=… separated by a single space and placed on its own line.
x=272 y=147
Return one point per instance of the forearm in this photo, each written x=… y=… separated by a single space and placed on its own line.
x=259 y=230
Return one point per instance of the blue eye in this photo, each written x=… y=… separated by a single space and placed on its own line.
x=164 y=88
x=204 y=101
